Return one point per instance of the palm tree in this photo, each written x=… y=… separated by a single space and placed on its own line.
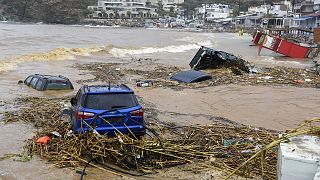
x=111 y=15
x=160 y=8
x=129 y=14
x=148 y=3
x=117 y=14
x=141 y=14
x=104 y=13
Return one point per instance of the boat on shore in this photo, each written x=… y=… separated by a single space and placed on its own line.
x=284 y=46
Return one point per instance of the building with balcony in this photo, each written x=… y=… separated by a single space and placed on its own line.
x=263 y=9
x=122 y=9
x=174 y=5
x=282 y=9
x=303 y=7
x=316 y=6
x=211 y=12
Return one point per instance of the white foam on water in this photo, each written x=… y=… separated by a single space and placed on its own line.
x=124 y=52
x=54 y=55
x=195 y=39
x=283 y=61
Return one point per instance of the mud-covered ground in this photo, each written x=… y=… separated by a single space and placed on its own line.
x=43 y=114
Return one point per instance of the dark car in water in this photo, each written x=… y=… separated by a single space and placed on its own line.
x=48 y=82
x=107 y=109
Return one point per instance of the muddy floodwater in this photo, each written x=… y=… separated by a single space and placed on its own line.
x=55 y=49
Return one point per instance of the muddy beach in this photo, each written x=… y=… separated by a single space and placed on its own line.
x=279 y=98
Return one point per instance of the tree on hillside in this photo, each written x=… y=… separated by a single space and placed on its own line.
x=171 y=12
x=148 y=3
x=51 y=11
x=160 y=9
x=129 y=14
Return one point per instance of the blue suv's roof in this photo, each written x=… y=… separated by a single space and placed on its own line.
x=101 y=89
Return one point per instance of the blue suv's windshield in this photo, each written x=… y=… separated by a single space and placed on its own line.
x=110 y=101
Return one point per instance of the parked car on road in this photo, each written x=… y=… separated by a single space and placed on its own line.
x=107 y=109
x=48 y=82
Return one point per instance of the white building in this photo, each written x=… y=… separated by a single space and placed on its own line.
x=121 y=9
x=317 y=6
x=304 y=7
x=263 y=9
x=174 y=5
x=280 y=9
x=276 y=10
x=214 y=11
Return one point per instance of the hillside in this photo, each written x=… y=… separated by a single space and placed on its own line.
x=48 y=11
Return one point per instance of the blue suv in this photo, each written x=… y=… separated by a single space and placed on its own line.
x=107 y=109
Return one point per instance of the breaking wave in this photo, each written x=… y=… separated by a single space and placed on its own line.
x=54 y=55
x=124 y=52
x=195 y=38
x=281 y=61
x=71 y=53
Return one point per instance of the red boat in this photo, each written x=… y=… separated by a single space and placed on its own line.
x=282 y=46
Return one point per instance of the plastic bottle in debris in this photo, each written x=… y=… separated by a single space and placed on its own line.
x=144 y=83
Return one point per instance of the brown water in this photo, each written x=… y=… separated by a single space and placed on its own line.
x=52 y=49
x=278 y=108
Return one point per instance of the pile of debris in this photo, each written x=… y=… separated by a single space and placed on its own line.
x=318 y=67
x=223 y=145
x=220 y=145
x=268 y=76
x=218 y=68
x=107 y=72
x=160 y=75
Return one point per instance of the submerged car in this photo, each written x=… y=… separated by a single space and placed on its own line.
x=107 y=109
x=42 y=82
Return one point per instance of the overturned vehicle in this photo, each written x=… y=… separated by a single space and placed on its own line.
x=207 y=58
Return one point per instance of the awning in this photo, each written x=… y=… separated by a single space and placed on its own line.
x=227 y=19
x=303 y=18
